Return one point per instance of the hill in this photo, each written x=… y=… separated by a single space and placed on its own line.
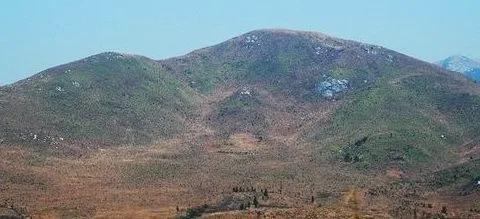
x=107 y=98
x=301 y=72
x=275 y=75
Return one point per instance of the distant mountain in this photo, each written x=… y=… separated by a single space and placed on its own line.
x=474 y=74
x=462 y=64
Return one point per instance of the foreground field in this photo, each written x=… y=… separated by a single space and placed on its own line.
x=164 y=181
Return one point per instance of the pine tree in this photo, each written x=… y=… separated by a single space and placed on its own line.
x=255 y=201
x=444 y=210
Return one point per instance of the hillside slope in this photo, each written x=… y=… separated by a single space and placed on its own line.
x=107 y=98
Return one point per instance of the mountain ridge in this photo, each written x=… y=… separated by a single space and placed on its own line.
x=308 y=68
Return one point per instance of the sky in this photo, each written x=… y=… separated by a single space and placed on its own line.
x=36 y=35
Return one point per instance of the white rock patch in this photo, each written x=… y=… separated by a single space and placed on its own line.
x=251 y=39
x=331 y=86
x=389 y=58
x=373 y=50
x=246 y=91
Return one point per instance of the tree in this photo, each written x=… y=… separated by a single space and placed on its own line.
x=444 y=210
x=255 y=201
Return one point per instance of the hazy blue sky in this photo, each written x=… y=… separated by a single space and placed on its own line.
x=35 y=35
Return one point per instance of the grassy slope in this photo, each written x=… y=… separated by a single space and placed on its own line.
x=403 y=119
x=107 y=97
x=464 y=176
x=240 y=113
